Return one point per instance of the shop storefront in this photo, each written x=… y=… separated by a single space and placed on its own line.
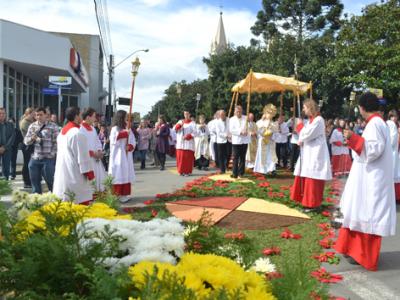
x=27 y=58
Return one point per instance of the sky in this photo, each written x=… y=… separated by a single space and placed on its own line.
x=178 y=34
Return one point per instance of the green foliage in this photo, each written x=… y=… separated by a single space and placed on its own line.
x=107 y=196
x=50 y=266
x=296 y=283
x=367 y=50
x=301 y=18
x=5 y=187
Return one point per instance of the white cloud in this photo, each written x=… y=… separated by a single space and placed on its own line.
x=178 y=39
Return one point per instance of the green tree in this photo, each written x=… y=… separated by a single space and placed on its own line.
x=368 y=50
x=300 y=18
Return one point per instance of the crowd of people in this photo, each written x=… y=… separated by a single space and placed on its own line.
x=314 y=149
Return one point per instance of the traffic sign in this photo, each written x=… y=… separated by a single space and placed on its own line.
x=49 y=91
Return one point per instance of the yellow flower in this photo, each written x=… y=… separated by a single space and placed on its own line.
x=138 y=271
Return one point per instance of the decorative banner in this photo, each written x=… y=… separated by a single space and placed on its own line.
x=377 y=92
x=76 y=64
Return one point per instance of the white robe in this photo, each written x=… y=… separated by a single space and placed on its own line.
x=394 y=142
x=187 y=128
x=337 y=136
x=121 y=162
x=266 y=158
x=368 y=200
x=201 y=143
x=213 y=138
x=314 y=161
x=252 y=147
x=73 y=161
x=94 y=145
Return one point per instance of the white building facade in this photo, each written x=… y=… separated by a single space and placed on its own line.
x=28 y=57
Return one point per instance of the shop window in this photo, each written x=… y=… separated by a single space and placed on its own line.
x=18 y=99
x=11 y=97
x=24 y=96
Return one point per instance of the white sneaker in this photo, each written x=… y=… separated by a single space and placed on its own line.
x=124 y=199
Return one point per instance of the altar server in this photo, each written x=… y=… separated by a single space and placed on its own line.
x=95 y=147
x=394 y=141
x=185 y=132
x=313 y=167
x=122 y=144
x=341 y=160
x=368 y=200
x=74 y=169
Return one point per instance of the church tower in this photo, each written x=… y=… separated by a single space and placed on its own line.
x=219 y=43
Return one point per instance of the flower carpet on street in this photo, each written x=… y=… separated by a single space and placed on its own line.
x=211 y=239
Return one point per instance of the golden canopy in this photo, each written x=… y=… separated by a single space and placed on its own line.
x=268 y=83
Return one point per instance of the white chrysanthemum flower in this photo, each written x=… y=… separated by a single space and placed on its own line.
x=263 y=265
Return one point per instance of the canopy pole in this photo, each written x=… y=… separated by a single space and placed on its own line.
x=230 y=108
x=298 y=104
x=294 y=106
x=236 y=98
x=281 y=104
x=248 y=99
x=311 y=91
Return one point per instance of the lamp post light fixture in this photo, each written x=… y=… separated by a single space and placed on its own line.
x=135 y=69
x=198 y=98
x=178 y=90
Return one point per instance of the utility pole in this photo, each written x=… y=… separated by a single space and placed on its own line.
x=109 y=109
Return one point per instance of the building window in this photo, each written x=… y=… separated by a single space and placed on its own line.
x=11 y=97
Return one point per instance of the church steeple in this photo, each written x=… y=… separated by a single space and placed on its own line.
x=219 y=43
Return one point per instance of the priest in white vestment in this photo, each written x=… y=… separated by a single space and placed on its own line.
x=368 y=200
x=95 y=147
x=185 y=133
x=313 y=167
x=213 y=138
x=341 y=160
x=122 y=144
x=74 y=169
x=266 y=158
x=394 y=141
x=252 y=147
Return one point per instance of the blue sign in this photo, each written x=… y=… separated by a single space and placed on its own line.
x=48 y=91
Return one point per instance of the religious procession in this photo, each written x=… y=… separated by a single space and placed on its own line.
x=275 y=176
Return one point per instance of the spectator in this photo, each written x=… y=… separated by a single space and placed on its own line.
x=14 y=153
x=281 y=138
x=43 y=135
x=105 y=144
x=144 y=135
x=7 y=137
x=25 y=122
x=162 y=145
x=202 y=150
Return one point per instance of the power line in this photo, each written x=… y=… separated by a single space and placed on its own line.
x=101 y=34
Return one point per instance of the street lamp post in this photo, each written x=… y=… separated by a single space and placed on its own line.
x=111 y=68
x=198 y=98
x=135 y=69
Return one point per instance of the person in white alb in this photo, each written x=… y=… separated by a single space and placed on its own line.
x=202 y=155
x=281 y=139
x=239 y=131
x=252 y=146
x=368 y=200
x=213 y=138
x=341 y=160
x=222 y=131
x=394 y=140
x=313 y=167
x=266 y=159
x=94 y=145
x=122 y=144
x=74 y=169
x=185 y=132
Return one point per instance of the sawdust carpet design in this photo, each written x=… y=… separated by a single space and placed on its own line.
x=238 y=212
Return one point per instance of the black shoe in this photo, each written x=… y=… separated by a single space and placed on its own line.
x=27 y=186
x=162 y=169
x=234 y=176
x=205 y=169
